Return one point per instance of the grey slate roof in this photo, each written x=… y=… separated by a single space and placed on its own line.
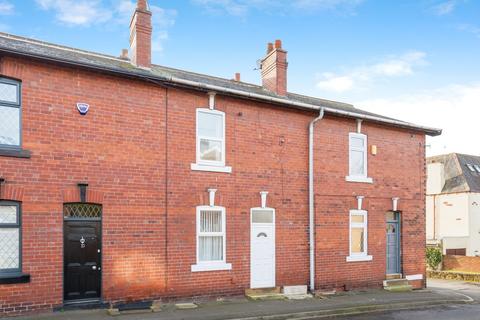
x=458 y=176
x=15 y=45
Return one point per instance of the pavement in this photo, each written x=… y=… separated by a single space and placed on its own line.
x=346 y=305
x=469 y=311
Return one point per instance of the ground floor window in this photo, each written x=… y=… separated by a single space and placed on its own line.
x=211 y=239
x=10 y=237
x=358 y=236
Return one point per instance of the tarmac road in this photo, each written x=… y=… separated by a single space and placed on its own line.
x=453 y=312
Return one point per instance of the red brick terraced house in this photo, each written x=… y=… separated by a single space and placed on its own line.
x=126 y=181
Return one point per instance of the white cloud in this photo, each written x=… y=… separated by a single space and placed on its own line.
x=358 y=77
x=454 y=108
x=124 y=10
x=77 y=12
x=158 y=40
x=240 y=8
x=470 y=29
x=445 y=7
x=334 y=83
x=6 y=7
x=326 y=4
x=231 y=7
x=162 y=19
x=88 y=12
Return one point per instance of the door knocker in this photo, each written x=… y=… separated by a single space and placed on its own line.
x=82 y=243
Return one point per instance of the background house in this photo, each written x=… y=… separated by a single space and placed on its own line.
x=453 y=203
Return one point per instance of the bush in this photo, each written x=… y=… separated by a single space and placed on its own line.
x=434 y=258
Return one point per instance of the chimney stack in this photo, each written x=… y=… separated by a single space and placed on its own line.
x=141 y=35
x=237 y=76
x=274 y=69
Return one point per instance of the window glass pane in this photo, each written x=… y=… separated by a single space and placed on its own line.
x=8 y=214
x=357 y=218
x=210 y=150
x=391 y=216
x=210 y=221
x=356 y=163
x=357 y=240
x=8 y=92
x=10 y=126
x=9 y=248
x=210 y=125
x=356 y=142
x=262 y=216
x=210 y=248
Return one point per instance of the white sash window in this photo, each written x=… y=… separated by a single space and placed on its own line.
x=357 y=155
x=211 y=239
x=358 y=236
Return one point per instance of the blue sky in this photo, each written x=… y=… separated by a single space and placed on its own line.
x=415 y=60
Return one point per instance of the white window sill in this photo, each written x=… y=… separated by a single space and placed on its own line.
x=205 y=167
x=217 y=266
x=359 y=258
x=358 y=179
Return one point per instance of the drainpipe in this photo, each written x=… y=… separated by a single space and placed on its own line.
x=311 y=209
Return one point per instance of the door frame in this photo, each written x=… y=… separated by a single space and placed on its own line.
x=398 y=222
x=100 y=230
x=274 y=242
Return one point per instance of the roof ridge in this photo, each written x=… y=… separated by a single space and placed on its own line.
x=207 y=75
x=332 y=101
x=61 y=47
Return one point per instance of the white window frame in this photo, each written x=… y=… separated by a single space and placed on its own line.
x=354 y=256
x=215 y=265
x=209 y=165
x=16 y=105
x=355 y=177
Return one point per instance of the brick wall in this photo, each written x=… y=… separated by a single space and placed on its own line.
x=397 y=171
x=117 y=150
x=143 y=179
x=461 y=263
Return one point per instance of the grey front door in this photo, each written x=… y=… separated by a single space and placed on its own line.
x=393 y=243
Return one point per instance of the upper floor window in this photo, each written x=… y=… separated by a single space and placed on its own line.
x=10 y=117
x=210 y=137
x=10 y=237
x=358 y=158
x=210 y=144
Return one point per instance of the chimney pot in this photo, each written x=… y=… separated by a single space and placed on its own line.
x=269 y=47
x=278 y=44
x=142 y=5
x=124 y=54
x=237 y=76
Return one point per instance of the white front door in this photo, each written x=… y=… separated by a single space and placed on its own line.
x=262 y=248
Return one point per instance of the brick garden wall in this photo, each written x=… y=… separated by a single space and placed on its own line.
x=461 y=263
x=142 y=177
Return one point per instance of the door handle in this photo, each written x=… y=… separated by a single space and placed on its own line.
x=94 y=267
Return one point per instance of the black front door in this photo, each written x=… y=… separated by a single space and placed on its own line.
x=82 y=260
